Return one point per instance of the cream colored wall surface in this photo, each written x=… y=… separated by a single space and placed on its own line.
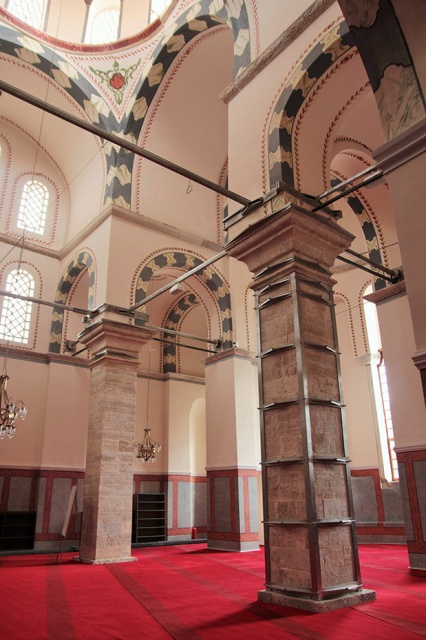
x=28 y=382
x=405 y=389
x=247 y=412
x=185 y=427
x=193 y=136
x=274 y=17
x=67 y=417
x=250 y=112
x=360 y=426
x=222 y=450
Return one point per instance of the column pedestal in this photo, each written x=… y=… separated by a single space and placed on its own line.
x=310 y=540
x=108 y=486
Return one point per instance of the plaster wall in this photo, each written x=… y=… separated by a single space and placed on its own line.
x=29 y=383
x=185 y=426
x=250 y=112
x=405 y=389
x=66 y=417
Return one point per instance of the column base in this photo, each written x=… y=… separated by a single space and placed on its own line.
x=105 y=560
x=317 y=606
x=233 y=545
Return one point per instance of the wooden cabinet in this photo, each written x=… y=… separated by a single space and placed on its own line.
x=149 y=518
x=17 y=530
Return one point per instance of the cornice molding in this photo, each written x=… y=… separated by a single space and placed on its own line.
x=278 y=46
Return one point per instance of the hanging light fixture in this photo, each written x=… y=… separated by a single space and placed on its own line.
x=9 y=410
x=147 y=449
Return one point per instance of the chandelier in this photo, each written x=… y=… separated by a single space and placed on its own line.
x=147 y=448
x=9 y=410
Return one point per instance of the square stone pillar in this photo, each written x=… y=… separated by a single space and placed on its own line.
x=310 y=540
x=108 y=486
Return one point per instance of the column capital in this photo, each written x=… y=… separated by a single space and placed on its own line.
x=113 y=339
x=307 y=239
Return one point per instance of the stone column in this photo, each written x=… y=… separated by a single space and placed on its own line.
x=310 y=541
x=108 y=486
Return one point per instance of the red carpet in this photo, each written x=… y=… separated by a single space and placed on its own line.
x=186 y=592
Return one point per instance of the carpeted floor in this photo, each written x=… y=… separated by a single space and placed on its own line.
x=187 y=592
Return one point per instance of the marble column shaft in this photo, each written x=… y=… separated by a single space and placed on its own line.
x=310 y=541
x=108 y=488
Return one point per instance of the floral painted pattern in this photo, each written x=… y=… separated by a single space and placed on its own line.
x=116 y=79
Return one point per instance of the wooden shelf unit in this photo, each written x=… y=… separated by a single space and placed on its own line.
x=17 y=530
x=149 y=518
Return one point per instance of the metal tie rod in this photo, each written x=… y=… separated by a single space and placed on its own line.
x=186 y=275
x=121 y=142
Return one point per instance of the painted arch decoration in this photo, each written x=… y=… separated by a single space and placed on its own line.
x=199 y=18
x=208 y=275
x=335 y=44
x=79 y=263
x=174 y=319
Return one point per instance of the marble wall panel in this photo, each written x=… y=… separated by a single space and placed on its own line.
x=253 y=505
x=185 y=506
x=61 y=489
x=200 y=503
x=239 y=499
x=419 y=467
x=409 y=529
x=222 y=505
x=19 y=494
x=364 y=497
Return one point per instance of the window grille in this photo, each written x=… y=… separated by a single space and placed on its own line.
x=105 y=26
x=33 y=207
x=16 y=314
x=29 y=11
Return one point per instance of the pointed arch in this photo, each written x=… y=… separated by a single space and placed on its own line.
x=81 y=261
x=173 y=321
x=208 y=276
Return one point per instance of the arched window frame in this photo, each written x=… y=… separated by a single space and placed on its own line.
x=97 y=10
x=380 y=391
x=32 y=12
x=33 y=207
x=24 y=331
x=15 y=229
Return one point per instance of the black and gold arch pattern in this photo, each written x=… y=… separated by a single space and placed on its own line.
x=322 y=56
x=198 y=18
x=182 y=306
x=368 y=229
x=208 y=275
x=80 y=262
x=201 y=17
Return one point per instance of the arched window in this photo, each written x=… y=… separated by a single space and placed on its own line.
x=104 y=23
x=381 y=392
x=30 y=11
x=33 y=207
x=16 y=314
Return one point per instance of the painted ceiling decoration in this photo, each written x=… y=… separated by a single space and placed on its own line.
x=208 y=275
x=116 y=78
